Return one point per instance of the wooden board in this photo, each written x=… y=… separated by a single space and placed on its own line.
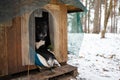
x=11 y=47
x=17 y=24
x=63 y=72
x=3 y=52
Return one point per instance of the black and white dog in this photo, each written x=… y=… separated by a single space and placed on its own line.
x=44 y=57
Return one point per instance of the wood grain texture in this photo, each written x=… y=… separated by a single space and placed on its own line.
x=59 y=73
x=11 y=48
x=3 y=52
x=59 y=14
x=18 y=43
x=25 y=38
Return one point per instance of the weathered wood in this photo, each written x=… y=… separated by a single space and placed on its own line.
x=11 y=48
x=25 y=39
x=59 y=14
x=65 y=71
x=66 y=77
x=3 y=51
x=18 y=43
x=63 y=32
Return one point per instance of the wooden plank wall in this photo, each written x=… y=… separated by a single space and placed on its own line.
x=17 y=26
x=3 y=51
x=59 y=14
x=11 y=48
x=27 y=35
x=14 y=46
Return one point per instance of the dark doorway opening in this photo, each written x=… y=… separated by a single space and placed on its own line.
x=42 y=27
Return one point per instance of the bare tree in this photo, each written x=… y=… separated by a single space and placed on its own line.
x=85 y=27
x=116 y=25
x=111 y=29
x=88 y=29
x=106 y=18
x=115 y=20
x=96 y=17
x=114 y=17
x=100 y=16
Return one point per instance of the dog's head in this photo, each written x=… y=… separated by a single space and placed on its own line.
x=41 y=31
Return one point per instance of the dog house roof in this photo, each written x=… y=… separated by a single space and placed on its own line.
x=12 y=8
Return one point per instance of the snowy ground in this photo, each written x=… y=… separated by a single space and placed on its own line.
x=97 y=59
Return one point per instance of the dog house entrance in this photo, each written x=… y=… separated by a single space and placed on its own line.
x=41 y=23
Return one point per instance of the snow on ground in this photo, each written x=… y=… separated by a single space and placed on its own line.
x=97 y=59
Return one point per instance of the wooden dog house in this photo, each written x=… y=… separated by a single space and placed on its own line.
x=17 y=36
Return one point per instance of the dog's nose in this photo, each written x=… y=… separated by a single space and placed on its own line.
x=41 y=37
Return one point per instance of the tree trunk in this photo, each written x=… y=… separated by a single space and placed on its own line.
x=96 y=17
x=100 y=18
x=89 y=18
x=111 y=29
x=114 y=17
x=85 y=27
x=116 y=26
x=106 y=19
x=115 y=20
